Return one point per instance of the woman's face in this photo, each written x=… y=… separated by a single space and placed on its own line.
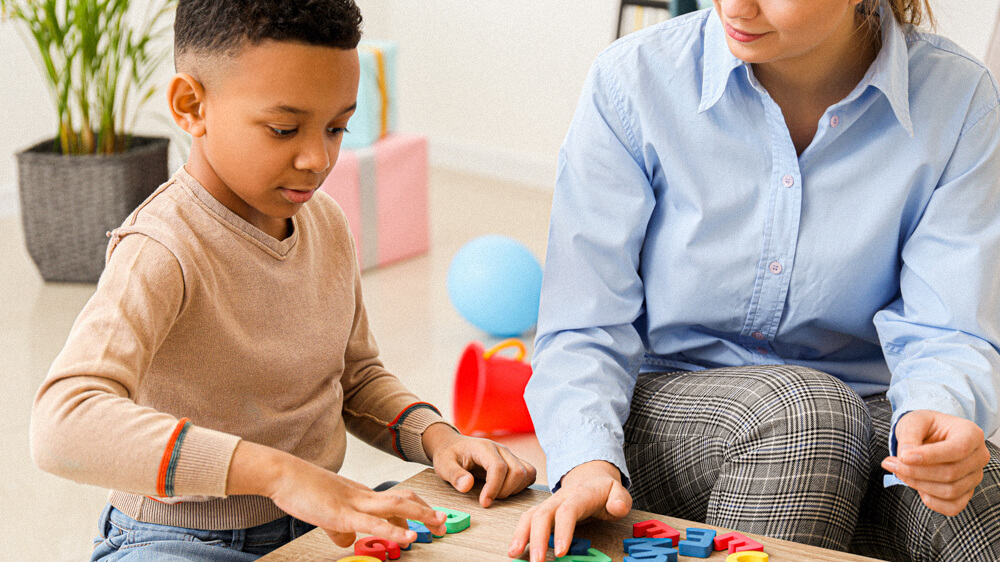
x=764 y=31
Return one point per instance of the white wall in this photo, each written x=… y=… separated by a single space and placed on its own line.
x=493 y=84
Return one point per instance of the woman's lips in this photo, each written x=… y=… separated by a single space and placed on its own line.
x=742 y=36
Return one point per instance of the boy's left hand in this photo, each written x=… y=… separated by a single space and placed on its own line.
x=459 y=459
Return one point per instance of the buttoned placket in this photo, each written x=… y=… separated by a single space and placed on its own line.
x=784 y=193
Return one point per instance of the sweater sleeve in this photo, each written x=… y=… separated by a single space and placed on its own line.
x=86 y=425
x=378 y=409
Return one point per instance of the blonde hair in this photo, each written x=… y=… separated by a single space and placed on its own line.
x=913 y=12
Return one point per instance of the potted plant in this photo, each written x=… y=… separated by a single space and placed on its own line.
x=97 y=58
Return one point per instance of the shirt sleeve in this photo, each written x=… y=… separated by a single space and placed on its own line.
x=587 y=349
x=941 y=336
x=378 y=409
x=85 y=425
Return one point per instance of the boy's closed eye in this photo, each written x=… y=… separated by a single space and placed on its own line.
x=282 y=132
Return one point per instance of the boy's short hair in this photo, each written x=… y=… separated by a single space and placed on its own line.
x=221 y=27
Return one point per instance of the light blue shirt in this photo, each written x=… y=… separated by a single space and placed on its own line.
x=686 y=233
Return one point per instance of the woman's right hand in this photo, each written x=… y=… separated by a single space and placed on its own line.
x=339 y=506
x=591 y=490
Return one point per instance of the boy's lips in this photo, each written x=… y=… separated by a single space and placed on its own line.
x=742 y=36
x=296 y=196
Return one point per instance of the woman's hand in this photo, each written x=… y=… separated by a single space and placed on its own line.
x=593 y=489
x=459 y=459
x=940 y=456
x=339 y=506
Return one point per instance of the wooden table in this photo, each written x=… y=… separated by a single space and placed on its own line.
x=492 y=530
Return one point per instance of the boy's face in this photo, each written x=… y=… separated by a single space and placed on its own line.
x=273 y=120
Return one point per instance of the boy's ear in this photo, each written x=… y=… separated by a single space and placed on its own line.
x=186 y=96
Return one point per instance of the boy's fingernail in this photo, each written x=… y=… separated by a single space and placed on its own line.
x=890 y=466
x=560 y=547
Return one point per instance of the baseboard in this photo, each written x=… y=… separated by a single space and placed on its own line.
x=9 y=204
x=523 y=168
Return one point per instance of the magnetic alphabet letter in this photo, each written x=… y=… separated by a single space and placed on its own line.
x=377 y=548
x=698 y=542
x=656 y=530
x=736 y=543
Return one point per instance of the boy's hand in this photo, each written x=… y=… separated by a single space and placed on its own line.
x=940 y=456
x=593 y=489
x=339 y=506
x=458 y=459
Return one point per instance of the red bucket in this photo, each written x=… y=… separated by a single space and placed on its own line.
x=489 y=390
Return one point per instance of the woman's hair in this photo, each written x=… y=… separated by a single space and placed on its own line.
x=913 y=12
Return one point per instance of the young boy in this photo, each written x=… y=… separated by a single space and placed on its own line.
x=210 y=379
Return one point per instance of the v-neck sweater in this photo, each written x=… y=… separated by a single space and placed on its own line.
x=203 y=331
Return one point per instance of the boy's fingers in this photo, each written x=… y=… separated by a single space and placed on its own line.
x=496 y=472
x=402 y=504
x=520 y=474
x=384 y=529
x=455 y=474
x=342 y=540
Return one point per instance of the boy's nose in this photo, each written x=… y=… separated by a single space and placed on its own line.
x=314 y=157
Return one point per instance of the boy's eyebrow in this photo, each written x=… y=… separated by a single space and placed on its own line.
x=281 y=108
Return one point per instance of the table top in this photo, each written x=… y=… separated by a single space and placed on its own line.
x=492 y=529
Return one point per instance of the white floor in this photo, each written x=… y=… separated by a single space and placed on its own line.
x=421 y=336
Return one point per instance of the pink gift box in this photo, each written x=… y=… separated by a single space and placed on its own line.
x=383 y=191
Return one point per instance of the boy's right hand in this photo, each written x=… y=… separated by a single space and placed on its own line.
x=593 y=489
x=339 y=506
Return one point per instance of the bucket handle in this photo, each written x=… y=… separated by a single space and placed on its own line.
x=512 y=342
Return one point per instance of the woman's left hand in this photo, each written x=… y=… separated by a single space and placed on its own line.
x=940 y=456
x=459 y=459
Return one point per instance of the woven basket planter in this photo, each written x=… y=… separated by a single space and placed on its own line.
x=69 y=203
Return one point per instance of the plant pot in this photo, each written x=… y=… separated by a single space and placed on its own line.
x=69 y=203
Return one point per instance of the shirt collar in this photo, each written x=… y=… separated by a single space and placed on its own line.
x=889 y=73
x=718 y=63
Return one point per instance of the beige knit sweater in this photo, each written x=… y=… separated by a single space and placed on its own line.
x=203 y=331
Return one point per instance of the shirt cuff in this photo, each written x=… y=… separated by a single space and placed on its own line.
x=408 y=429
x=589 y=443
x=199 y=463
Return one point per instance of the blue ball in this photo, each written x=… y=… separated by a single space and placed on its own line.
x=494 y=282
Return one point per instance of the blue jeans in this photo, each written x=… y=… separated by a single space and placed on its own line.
x=124 y=538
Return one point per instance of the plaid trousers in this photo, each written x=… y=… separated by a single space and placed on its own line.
x=792 y=453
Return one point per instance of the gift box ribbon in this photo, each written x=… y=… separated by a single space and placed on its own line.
x=383 y=86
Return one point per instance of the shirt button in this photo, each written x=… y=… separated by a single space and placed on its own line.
x=775 y=267
x=834 y=121
x=757 y=335
x=762 y=350
x=788 y=180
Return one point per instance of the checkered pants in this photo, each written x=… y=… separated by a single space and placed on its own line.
x=792 y=453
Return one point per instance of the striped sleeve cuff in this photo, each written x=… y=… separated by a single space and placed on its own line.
x=195 y=462
x=408 y=428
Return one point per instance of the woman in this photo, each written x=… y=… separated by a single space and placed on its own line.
x=774 y=243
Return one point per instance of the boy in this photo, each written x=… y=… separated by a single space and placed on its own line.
x=211 y=377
